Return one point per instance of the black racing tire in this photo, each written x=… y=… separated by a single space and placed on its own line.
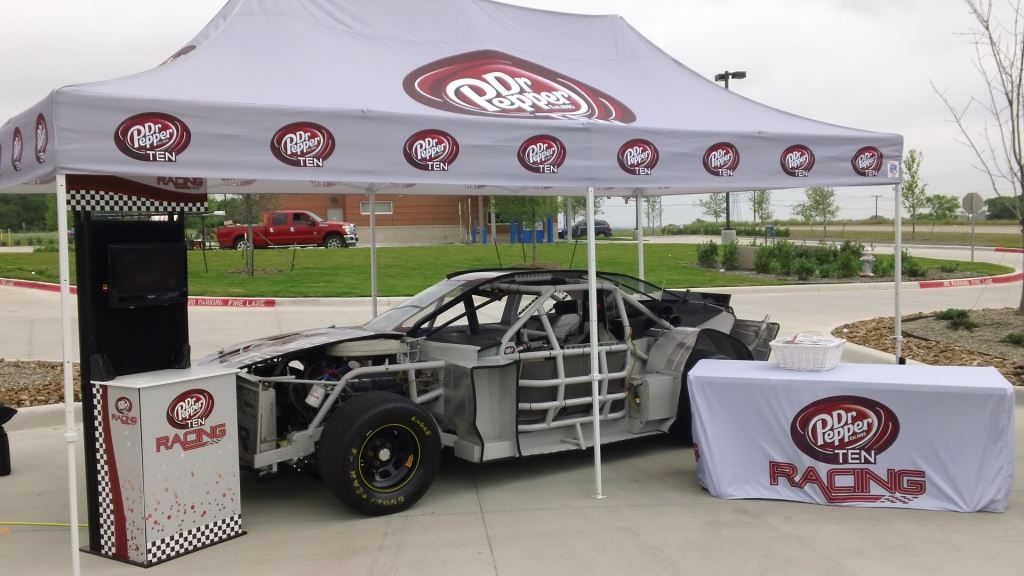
x=240 y=243
x=379 y=453
x=334 y=241
x=710 y=345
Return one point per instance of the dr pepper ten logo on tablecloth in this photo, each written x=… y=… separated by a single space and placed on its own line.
x=848 y=434
x=431 y=150
x=303 y=144
x=492 y=83
x=152 y=137
x=845 y=429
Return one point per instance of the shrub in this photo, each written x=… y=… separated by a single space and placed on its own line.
x=949 y=267
x=827 y=270
x=804 y=269
x=1015 y=338
x=763 y=259
x=957 y=319
x=707 y=254
x=730 y=256
x=963 y=323
x=785 y=254
x=953 y=314
x=847 y=264
x=885 y=266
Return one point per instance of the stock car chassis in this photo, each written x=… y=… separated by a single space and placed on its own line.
x=493 y=364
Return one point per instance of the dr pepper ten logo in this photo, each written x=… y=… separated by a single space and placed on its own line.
x=152 y=137
x=303 y=144
x=542 y=154
x=431 y=150
x=638 y=157
x=492 y=83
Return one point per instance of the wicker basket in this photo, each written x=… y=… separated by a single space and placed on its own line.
x=808 y=352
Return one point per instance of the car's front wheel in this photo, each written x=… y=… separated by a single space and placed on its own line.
x=335 y=241
x=379 y=453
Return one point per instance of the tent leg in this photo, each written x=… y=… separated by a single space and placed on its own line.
x=70 y=436
x=639 y=236
x=897 y=338
x=595 y=376
x=373 y=252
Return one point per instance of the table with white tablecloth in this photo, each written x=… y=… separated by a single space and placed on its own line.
x=931 y=437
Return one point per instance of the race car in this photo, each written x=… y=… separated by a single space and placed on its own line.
x=492 y=364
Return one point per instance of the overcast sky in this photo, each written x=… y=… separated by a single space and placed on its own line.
x=867 y=64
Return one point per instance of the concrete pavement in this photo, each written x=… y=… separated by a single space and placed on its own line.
x=529 y=517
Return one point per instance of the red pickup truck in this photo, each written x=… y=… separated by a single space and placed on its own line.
x=290 y=228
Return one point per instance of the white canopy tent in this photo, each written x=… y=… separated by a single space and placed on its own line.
x=469 y=97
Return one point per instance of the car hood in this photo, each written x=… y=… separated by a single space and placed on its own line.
x=251 y=352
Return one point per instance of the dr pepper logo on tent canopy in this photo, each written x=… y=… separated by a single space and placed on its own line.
x=721 y=159
x=492 y=83
x=797 y=161
x=542 y=154
x=303 y=144
x=17 y=146
x=152 y=137
x=844 y=429
x=638 y=157
x=431 y=150
x=867 y=161
x=42 y=138
x=190 y=409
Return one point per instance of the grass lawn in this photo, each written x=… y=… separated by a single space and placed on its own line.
x=403 y=271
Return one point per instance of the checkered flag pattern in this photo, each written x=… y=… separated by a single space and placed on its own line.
x=105 y=500
x=100 y=201
x=194 y=539
x=897 y=499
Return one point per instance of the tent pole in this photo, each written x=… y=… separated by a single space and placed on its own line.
x=70 y=436
x=595 y=376
x=897 y=338
x=373 y=252
x=639 y=236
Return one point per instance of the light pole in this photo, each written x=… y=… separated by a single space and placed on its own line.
x=724 y=77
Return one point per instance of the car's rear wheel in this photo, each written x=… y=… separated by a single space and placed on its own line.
x=710 y=345
x=379 y=453
x=241 y=243
x=335 y=241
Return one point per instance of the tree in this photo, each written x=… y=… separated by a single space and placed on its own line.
x=1001 y=208
x=942 y=207
x=761 y=205
x=527 y=210
x=579 y=207
x=713 y=205
x=24 y=212
x=912 y=195
x=819 y=207
x=653 y=212
x=998 y=144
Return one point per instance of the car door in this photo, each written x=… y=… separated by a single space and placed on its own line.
x=277 y=229
x=304 y=229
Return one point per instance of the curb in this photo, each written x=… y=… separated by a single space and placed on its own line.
x=1011 y=250
x=227 y=302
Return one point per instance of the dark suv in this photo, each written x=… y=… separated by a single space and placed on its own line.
x=579 y=229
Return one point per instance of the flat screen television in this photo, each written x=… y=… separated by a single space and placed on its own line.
x=152 y=274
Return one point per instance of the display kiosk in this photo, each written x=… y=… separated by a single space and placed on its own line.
x=161 y=446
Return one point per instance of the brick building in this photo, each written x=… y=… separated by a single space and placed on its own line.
x=400 y=218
